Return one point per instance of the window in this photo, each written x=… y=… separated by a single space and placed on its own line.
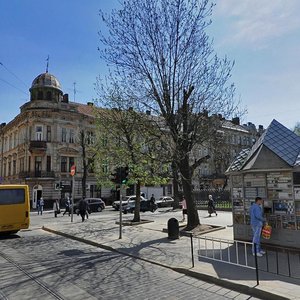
x=4 y=169
x=48 y=133
x=12 y=196
x=49 y=95
x=15 y=140
x=63 y=164
x=38 y=166
x=38 y=133
x=71 y=138
x=9 y=168
x=14 y=167
x=48 y=167
x=90 y=138
x=22 y=164
x=63 y=134
x=10 y=141
x=71 y=162
x=29 y=163
x=40 y=95
x=91 y=166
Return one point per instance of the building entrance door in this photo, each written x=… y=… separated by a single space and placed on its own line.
x=37 y=194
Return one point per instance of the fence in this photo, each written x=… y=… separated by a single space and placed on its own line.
x=277 y=260
x=221 y=198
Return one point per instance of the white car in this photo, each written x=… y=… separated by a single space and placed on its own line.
x=127 y=200
x=164 y=201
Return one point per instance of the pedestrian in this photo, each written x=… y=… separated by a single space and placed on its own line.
x=67 y=207
x=184 y=208
x=38 y=205
x=83 y=209
x=152 y=203
x=56 y=208
x=257 y=221
x=211 y=205
x=41 y=205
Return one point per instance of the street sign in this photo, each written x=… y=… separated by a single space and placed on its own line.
x=73 y=170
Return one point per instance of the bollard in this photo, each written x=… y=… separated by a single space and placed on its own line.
x=173 y=229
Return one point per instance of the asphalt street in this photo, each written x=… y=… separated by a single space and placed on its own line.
x=38 y=265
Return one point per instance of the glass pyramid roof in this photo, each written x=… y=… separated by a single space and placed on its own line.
x=279 y=139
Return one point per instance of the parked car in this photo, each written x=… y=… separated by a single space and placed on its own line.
x=95 y=205
x=165 y=201
x=131 y=199
x=145 y=205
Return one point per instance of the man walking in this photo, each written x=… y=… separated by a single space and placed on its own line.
x=83 y=209
x=257 y=221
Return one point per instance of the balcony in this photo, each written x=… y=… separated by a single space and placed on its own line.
x=37 y=146
x=37 y=174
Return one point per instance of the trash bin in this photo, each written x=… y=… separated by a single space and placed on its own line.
x=173 y=229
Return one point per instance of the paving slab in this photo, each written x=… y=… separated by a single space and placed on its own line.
x=150 y=243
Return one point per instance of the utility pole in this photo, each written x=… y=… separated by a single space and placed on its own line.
x=74 y=90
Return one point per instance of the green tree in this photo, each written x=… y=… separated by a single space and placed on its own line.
x=127 y=138
x=161 y=53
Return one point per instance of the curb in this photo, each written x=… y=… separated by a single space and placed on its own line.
x=251 y=291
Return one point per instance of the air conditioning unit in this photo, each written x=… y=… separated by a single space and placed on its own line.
x=57 y=186
x=87 y=186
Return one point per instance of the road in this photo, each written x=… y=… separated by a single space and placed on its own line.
x=39 y=265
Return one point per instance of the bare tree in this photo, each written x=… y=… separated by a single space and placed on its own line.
x=165 y=59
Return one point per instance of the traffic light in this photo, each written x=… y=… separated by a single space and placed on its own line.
x=124 y=175
x=120 y=175
x=115 y=176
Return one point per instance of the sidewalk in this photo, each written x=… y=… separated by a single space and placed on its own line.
x=150 y=243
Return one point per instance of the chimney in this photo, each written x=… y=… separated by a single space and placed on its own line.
x=65 y=98
x=236 y=121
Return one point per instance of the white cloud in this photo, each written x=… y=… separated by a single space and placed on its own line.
x=256 y=22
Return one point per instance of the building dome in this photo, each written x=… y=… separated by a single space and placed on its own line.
x=46 y=87
x=46 y=80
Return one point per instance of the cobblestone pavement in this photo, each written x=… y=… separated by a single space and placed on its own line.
x=41 y=263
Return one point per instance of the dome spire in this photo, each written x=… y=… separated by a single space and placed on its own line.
x=47 y=64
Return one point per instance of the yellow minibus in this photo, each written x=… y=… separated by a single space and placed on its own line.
x=14 y=208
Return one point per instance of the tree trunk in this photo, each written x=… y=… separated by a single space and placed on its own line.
x=137 y=217
x=193 y=218
x=175 y=186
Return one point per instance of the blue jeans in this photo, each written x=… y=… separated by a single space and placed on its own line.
x=256 y=237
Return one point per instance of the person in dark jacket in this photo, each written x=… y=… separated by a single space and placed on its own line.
x=68 y=206
x=83 y=209
x=211 y=205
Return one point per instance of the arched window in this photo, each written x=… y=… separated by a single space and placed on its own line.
x=49 y=96
x=40 y=95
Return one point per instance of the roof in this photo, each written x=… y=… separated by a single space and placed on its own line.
x=86 y=109
x=278 y=139
x=229 y=125
x=46 y=80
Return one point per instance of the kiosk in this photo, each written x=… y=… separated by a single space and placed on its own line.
x=270 y=170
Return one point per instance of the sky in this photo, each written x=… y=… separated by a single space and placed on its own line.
x=261 y=36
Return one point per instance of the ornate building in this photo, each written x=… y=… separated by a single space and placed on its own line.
x=39 y=146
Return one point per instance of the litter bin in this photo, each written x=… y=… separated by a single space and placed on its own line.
x=173 y=229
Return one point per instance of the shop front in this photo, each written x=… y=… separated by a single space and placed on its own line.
x=270 y=170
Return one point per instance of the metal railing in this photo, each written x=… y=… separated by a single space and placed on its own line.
x=277 y=260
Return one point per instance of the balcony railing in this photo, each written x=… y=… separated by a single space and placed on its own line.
x=37 y=145
x=37 y=174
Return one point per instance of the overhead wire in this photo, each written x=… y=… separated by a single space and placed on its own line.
x=14 y=86
x=12 y=73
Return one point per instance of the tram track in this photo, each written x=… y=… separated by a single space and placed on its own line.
x=40 y=283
